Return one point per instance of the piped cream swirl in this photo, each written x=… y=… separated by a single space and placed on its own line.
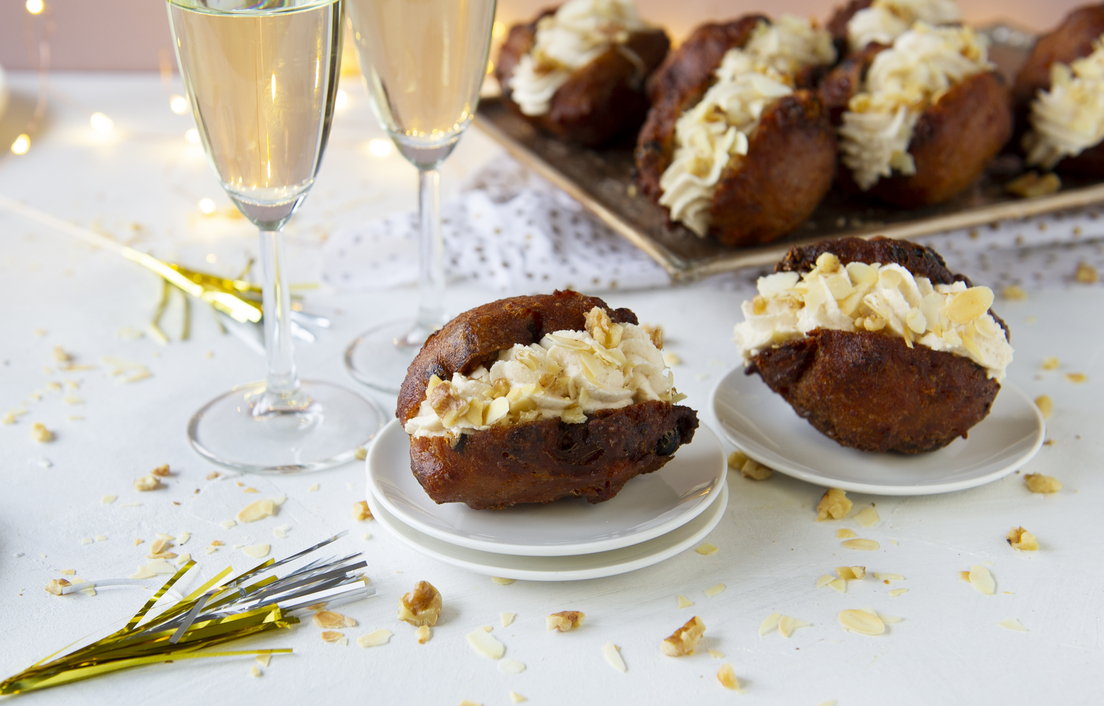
x=1069 y=118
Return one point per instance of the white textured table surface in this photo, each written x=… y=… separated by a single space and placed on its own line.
x=141 y=184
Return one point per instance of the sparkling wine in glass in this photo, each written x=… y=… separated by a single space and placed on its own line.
x=261 y=78
x=424 y=62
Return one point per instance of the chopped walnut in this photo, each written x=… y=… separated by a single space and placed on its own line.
x=602 y=329
x=55 y=586
x=1023 y=540
x=1038 y=483
x=146 y=483
x=834 y=505
x=422 y=606
x=655 y=333
x=565 y=620
x=361 y=511
x=684 y=640
x=444 y=400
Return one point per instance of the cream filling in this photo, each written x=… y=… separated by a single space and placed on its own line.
x=902 y=82
x=578 y=33
x=565 y=376
x=885 y=20
x=888 y=298
x=1069 y=118
x=716 y=130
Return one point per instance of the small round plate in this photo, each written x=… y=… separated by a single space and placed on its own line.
x=767 y=429
x=647 y=507
x=559 y=568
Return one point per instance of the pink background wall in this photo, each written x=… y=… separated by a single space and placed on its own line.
x=134 y=34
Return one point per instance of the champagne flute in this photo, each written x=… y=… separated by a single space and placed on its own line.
x=424 y=62
x=261 y=78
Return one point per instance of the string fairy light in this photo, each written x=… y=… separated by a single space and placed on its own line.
x=35 y=7
x=21 y=144
x=380 y=147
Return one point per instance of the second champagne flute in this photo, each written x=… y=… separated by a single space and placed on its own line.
x=424 y=62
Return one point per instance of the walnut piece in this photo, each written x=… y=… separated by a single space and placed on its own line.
x=55 y=586
x=1023 y=540
x=422 y=606
x=834 y=505
x=361 y=511
x=739 y=461
x=685 y=640
x=1038 y=483
x=565 y=620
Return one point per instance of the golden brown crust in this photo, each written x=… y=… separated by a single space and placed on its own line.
x=600 y=100
x=475 y=337
x=543 y=461
x=845 y=80
x=788 y=169
x=952 y=142
x=869 y=390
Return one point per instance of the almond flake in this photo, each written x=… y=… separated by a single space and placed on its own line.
x=375 y=638
x=86 y=540
x=684 y=602
x=250 y=490
x=501 y=581
x=486 y=644
x=423 y=633
x=982 y=580
x=257 y=510
x=1077 y=377
x=868 y=517
x=143 y=572
x=160 y=545
x=850 y=573
x=866 y=545
x=331 y=636
x=183 y=559
x=227 y=524
x=887 y=577
x=255 y=672
x=360 y=454
x=716 y=654
x=279 y=533
x=786 y=625
x=887 y=619
x=706 y=549
x=861 y=621
x=1038 y=483
x=823 y=580
x=257 y=551
x=68 y=572
x=1045 y=405
x=516 y=697
x=727 y=676
x=898 y=592
x=263 y=660
x=183 y=537
x=55 y=586
x=838 y=585
x=613 y=657
x=278 y=500
x=213 y=475
x=510 y=666
x=329 y=620
x=507 y=618
x=845 y=533
x=1012 y=624
x=313 y=488
x=161 y=567
x=714 y=590
x=769 y=623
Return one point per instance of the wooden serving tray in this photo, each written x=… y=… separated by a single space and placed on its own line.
x=601 y=180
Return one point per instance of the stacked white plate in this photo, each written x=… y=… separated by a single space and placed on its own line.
x=654 y=517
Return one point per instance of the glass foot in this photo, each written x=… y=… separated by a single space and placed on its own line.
x=380 y=356
x=242 y=431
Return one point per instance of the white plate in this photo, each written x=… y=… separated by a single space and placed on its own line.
x=559 y=568
x=768 y=430
x=648 y=506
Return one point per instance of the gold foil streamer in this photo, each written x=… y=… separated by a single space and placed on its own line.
x=189 y=629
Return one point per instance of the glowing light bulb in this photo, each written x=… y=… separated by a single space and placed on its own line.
x=341 y=99
x=380 y=147
x=206 y=206
x=21 y=144
x=101 y=123
x=192 y=137
x=178 y=104
x=498 y=30
x=35 y=7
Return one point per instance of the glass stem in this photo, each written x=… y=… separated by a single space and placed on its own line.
x=431 y=258
x=281 y=379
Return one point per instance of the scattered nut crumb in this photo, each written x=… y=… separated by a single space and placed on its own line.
x=360 y=454
x=516 y=697
x=108 y=499
x=146 y=483
x=257 y=551
x=1038 y=483
x=823 y=580
x=850 y=573
x=55 y=586
x=257 y=510
x=716 y=654
x=982 y=580
x=1031 y=184
x=787 y=624
x=1077 y=378
x=422 y=606
x=1023 y=540
x=213 y=475
x=1012 y=624
x=881 y=576
x=86 y=540
x=845 y=533
x=1086 y=273
x=313 y=488
x=255 y=672
x=160 y=545
x=1013 y=292
x=486 y=644
x=898 y=592
x=331 y=636
x=263 y=660
x=838 y=585
x=565 y=620
x=867 y=517
x=330 y=620
x=866 y=545
x=501 y=581
x=161 y=471
x=834 y=504
x=864 y=622
x=1050 y=363
x=727 y=676
x=423 y=633
x=250 y=490
x=1045 y=405
x=769 y=623
x=361 y=511
x=374 y=638
x=510 y=666
x=612 y=653
x=41 y=434
x=706 y=549
x=714 y=590
x=684 y=640
x=684 y=602
x=739 y=461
